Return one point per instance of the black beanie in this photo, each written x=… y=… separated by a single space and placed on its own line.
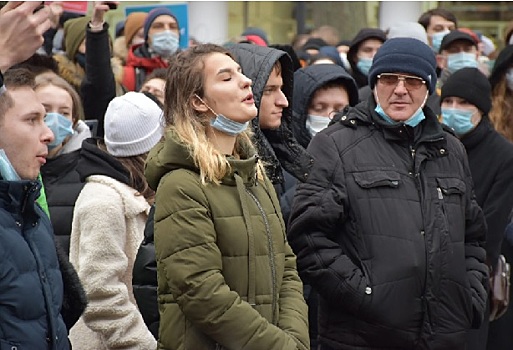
x=502 y=63
x=405 y=55
x=470 y=84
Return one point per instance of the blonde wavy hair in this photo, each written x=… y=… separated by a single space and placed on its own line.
x=185 y=79
x=501 y=114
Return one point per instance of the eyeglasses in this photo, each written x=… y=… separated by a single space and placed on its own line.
x=410 y=83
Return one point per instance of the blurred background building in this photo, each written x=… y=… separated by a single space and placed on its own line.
x=218 y=21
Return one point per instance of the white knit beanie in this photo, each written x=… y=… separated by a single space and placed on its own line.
x=133 y=125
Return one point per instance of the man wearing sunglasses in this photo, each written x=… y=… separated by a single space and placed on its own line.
x=386 y=228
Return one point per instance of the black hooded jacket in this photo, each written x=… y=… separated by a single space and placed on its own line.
x=95 y=161
x=306 y=82
x=388 y=231
x=277 y=148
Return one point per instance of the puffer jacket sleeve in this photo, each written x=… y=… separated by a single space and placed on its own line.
x=101 y=263
x=318 y=210
x=190 y=263
x=475 y=253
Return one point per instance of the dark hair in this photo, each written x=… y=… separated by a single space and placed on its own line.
x=38 y=64
x=14 y=78
x=159 y=73
x=425 y=18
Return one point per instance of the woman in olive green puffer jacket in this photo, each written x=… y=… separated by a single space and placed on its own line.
x=227 y=277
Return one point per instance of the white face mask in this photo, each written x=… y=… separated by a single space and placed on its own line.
x=316 y=123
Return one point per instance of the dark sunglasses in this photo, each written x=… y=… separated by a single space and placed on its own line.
x=410 y=83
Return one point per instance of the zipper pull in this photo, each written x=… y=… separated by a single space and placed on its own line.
x=440 y=195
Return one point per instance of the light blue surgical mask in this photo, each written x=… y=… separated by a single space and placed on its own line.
x=164 y=43
x=457 y=61
x=436 y=40
x=459 y=120
x=228 y=126
x=509 y=78
x=413 y=121
x=61 y=127
x=223 y=124
x=364 y=64
x=316 y=123
x=6 y=169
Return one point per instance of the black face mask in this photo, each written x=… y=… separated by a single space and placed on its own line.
x=81 y=59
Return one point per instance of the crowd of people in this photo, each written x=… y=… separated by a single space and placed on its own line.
x=323 y=194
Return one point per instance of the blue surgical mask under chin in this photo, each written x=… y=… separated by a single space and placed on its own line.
x=457 y=61
x=436 y=40
x=6 y=169
x=228 y=126
x=61 y=127
x=316 y=123
x=413 y=121
x=164 y=43
x=364 y=64
x=460 y=120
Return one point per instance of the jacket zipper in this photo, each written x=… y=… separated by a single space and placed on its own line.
x=271 y=252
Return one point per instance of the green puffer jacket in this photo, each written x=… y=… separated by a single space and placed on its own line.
x=227 y=277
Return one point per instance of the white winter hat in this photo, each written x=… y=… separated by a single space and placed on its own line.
x=408 y=30
x=133 y=125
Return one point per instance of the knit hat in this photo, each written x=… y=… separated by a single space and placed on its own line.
x=405 y=55
x=74 y=34
x=456 y=35
x=258 y=32
x=502 y=63
x=132 y=125
x=159 y=11
x=408 y=30
x=134 y=22
x=470 y=84
x=313 y=44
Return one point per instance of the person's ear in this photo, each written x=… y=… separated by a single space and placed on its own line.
x=198 y=104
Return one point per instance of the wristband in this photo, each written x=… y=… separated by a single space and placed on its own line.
x=96 y=27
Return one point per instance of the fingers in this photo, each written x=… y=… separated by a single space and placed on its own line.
x=11 y=5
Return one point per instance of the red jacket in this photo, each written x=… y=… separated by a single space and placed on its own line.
x=139 y=64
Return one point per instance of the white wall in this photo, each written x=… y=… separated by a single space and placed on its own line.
x=208 y=21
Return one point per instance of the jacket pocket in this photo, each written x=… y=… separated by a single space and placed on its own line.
x=6 y=345
x=377 y=178
x=450 y=193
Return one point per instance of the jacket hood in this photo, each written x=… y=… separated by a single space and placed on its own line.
x=308 y=80
x=276 y=147
x=170 y=154
x=94 y=161
x=138 y=56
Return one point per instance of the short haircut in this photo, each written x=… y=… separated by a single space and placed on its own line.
x=13 y=79
x=159 y=73
x=425 y=18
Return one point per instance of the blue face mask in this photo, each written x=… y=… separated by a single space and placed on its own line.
x=413 y=121
x=228 y=126
x=436 y=40
x=456 y=61
x=61 y=127
x=459 y=120
x=364 y=64
x=6 y=169
x=164 y=43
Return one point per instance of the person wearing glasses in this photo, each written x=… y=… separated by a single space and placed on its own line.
x=386 y=228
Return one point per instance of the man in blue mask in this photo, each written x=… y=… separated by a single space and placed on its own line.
x=363 y=47
x=458 y=50
x=161 y=40
x=386 y=228
x=437 y=23
x=466 y=101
